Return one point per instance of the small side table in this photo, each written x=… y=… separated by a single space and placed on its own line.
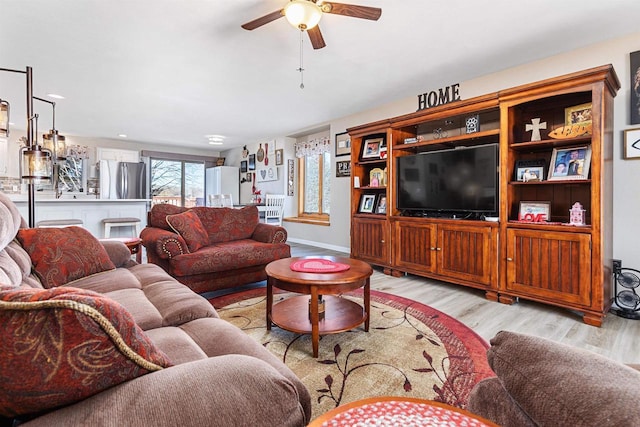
x=134 y=244
x=399 y=411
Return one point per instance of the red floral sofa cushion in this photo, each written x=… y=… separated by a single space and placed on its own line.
x=61 y=345
x=61 y=255
x=188 y=225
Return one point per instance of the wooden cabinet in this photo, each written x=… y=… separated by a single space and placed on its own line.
x=549 y=266
x=459 y=251
x=535 y=126
x=556 y=262
x=372 y=242
x=370 y=194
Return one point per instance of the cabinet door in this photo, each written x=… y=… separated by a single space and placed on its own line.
x=117 y=155
x=415 y=246
x=369 y=240
x=554 y=266
x=467 y=252
x=4 y=155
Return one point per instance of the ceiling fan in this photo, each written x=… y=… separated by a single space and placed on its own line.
x=306 y=14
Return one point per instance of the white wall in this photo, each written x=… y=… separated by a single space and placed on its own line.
x=626 y=172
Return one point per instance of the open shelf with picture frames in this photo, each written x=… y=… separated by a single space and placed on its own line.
x=564 y=123
x=547 y=118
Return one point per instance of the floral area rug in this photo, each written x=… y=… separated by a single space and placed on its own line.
x=411 y=350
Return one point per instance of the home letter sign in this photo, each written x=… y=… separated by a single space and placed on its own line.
x=444 y=95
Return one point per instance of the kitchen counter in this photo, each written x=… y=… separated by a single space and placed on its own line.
x=86 y=208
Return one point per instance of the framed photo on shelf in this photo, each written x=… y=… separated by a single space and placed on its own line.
x=577 y=115
x=535 y=211
x=371 y=148
x=632 y=144
x=530 y=174
x=367 y=203
x=381 y=205
x=530 y=170
x=570 y=163
x=343 y=144
x=243 y=166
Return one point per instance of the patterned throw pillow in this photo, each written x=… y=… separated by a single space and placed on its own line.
x=188 y=225
x=61 y=255
x=62 y=345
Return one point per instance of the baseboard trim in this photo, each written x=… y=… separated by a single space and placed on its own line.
x=320 y=245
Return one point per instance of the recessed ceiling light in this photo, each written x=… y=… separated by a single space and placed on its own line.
x=215 y=142
x=122 y=135
x=53 y=95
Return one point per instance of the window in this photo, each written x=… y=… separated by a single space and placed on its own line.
x=315 y=187
x=177 y=182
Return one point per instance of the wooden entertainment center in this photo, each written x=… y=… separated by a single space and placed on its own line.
x=505 y=253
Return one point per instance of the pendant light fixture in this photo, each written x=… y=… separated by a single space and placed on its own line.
x=53 y=141
x=35 y=162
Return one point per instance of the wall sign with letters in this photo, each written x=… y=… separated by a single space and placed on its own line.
x=442 y=96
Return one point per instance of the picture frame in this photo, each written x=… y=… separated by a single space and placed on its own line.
x=377 y=178
x=252 y=162
x=632 y=143
x=343 y=169
x=371 y=148
x=243 y=166
x=367 y=203
x=381 y=204
x=634 y=99
x=343 y=144
x=537 y=211
x=279 y=157
x=578 y=115
x=523 y=164
x=570 y=163
x=530 y=174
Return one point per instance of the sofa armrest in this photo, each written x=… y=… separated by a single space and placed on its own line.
x=269 y=233
x=231 y=390
x=164 y=244
x=118 y=252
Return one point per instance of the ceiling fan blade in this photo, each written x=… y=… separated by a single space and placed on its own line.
x=252 y=25
x=355 y=11
x=317 y=41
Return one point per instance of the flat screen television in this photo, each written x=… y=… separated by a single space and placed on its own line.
x=461 y=180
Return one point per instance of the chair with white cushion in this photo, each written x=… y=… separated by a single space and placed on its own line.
x=273 y=209
x=220 y=200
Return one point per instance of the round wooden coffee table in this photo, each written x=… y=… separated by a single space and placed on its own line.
x=296 y=314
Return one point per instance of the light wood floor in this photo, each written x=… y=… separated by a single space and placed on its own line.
x=618 y=338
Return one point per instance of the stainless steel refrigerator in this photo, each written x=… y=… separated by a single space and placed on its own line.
x=122 y=180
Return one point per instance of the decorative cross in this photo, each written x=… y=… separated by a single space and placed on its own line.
x=535 y=127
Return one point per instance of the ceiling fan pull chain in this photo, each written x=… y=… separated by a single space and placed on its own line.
x=301 y=69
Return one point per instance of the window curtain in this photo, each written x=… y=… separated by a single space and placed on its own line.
x=313 y=147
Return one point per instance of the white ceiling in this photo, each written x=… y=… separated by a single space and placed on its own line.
x=173 y=71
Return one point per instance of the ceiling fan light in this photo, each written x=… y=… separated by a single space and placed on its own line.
x=302 y=14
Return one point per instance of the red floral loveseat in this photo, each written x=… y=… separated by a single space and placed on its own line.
x=212 y=248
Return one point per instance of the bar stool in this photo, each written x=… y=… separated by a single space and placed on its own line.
x=58 y=223
x=120 y=222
